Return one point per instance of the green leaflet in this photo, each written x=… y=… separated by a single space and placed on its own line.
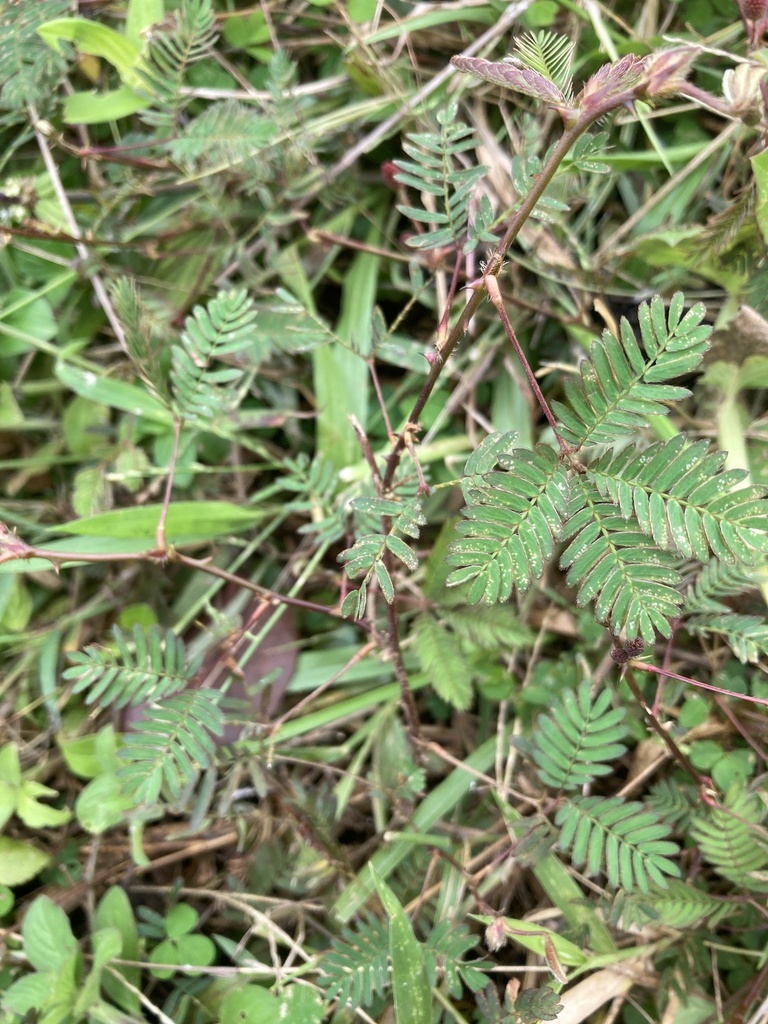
x=574 y=742
x=430 y=171
x=619 y=838
x=679 y=495
x=628 y=516
x=512 y=522
x=620 y=386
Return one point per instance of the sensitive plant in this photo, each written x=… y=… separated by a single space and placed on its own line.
x=608 y=507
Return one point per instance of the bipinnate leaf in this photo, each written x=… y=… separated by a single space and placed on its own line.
x=434 y=168
x=746 y=635
x=511 y=524
x=29 y=69
x=355 y=970
x=635 y=586
x=222 y=329
x=171 y=744
x=731 y=837
x=145 y=667
x=548 y=53
x=666 y=71
x=612 y=82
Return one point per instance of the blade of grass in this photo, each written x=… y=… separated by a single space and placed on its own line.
x=340 y=372
x=410 y=985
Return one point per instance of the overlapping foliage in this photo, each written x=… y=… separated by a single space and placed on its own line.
x=244 y=355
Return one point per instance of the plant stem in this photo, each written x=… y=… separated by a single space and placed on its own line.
x=644 y=667
x=444 y=350
x=702 y=781
x=401 y=674
x=160 y=534
x=494 y=294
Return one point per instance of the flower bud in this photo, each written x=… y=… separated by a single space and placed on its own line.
x=753 y=10
x=741 y=88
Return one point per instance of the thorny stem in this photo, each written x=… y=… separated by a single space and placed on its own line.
x=702 y=781
x=642 y=666
x=270 y=596
x=365 y=446
x=380 y=399
x=740 y=729
x=665 y=665
x=444 y=348
x=442 y=327
x=13 y=549
x=494 y=294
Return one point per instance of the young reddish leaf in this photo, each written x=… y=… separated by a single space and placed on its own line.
x=512 y=76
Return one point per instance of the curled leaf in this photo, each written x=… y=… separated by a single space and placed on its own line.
x=513 y=76
x=666 y=71
x=612 y=84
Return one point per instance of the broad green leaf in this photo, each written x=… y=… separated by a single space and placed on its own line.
x=8 y=799
x=362 y=10
x=35 y=814
x=48 y=938
x=107 y=945
x=300 y=1004
x=29 y=993
x=99 y=108
x=115 y=911
x=180 y=919
x=96 y=40
x=88 y=756
x=250 y=33
x=250 y=1005
x=117 y=394
x=19 y=861
x=102 y=804
x=17 y=612
x=340 y=371
x=141 y=15
x=10 y=410
x=197 y=519
x=534 y=936
x=10 y=767
x=6 y=900
x=25 y=318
